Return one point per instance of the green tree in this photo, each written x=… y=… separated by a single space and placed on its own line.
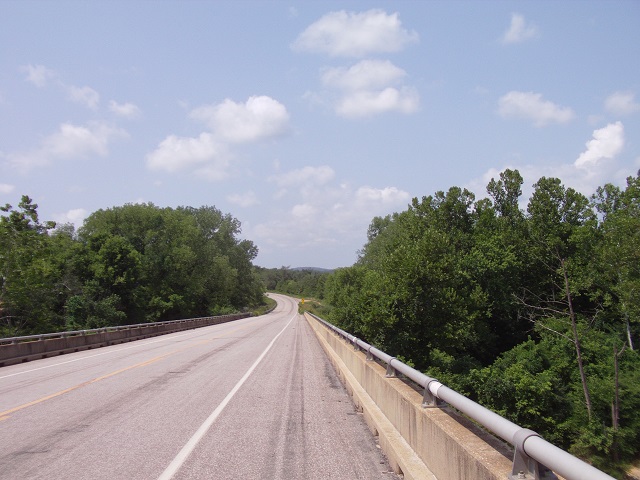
x=27 y=298
x=558 y=217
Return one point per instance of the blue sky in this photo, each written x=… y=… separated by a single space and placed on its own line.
x=305 y=120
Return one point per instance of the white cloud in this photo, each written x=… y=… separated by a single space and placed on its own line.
x=38 y=75
x=6 y=188
x=74 y=141
x=304 y=176
x=86 y=96
x=384 y=196
x=607 y=142
x=622 y=103
x=351 y=34
x=244 y=200
x=595 y=167
x=127 y=110
x=75 y=216
x=178 y=153
x=327 y=214
x=364 y=75
x=368 y=88
x=259 y=118
x=303 y=211
x=531 y=106
x=519 y=31
x=365 y=103
x=69 y=142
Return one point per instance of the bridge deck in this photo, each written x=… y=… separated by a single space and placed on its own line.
x=254 y=398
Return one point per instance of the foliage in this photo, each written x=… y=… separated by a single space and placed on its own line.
x=269 y=304
x=28 y=277
x=128 y=264
x=301 y=282
x=523 y=310
x=313 y=306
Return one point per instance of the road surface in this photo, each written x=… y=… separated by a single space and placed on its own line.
x=253 y=399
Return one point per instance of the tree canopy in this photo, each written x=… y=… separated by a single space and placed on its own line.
x=533 y=312
x=128 y=264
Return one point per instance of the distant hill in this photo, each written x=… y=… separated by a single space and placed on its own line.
x=314 y=269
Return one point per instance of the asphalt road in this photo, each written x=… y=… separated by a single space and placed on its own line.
x=252 y=399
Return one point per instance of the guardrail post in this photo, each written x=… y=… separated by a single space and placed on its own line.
x=525 y=467
x=429 y=399
x=391 y=372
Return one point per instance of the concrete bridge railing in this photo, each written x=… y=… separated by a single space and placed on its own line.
x=423 y=438
x=21 y=349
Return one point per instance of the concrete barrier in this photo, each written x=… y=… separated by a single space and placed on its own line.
x=32 y=348
x=420 y=443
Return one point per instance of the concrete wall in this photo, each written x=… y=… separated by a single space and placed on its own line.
x=23 y=351
x=421 y=443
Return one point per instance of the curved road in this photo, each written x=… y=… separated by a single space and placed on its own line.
x=255 y=398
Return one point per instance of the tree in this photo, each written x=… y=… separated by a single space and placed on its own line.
x=161 y=263
x=556 y=214
x=619 y=252
x=26 y=272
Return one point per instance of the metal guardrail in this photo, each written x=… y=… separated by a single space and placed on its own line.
x=534 y=457
x=93 y=331
x=15 y=350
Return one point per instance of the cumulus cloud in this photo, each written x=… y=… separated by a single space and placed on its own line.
x=304 y=176
x=75 y=216
x=364 y=75
x=126 y=110
x=69 y=142
x=593 y=168
x=178 y=153
x=365 y=103
x=327 y=213
x=369 y=88
x=380 y=196
x=38 y=75
x=531 y=106
x=622 y=103
x=6 y=188
x=606 y=143
x=229 y=123
x=41 y=76
x=86 y=96
x=244 y=200
x=519 y=30
x=259 y=118
x=351 y=34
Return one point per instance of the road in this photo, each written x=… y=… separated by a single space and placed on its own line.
x=254 y=399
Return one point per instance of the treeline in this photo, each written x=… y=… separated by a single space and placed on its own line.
x=301 y=282
x=130 y=264
x=534 y=314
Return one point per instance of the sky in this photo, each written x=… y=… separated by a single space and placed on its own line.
x=305 y=120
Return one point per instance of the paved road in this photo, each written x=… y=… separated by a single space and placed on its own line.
x=253 y=399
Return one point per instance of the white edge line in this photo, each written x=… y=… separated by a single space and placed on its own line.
x=182 y=456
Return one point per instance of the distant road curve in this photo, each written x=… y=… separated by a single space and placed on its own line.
x=254 y=398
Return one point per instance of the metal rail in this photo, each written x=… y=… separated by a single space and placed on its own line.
x=93 y=331
x=534 y=457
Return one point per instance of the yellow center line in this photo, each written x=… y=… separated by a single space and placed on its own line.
x=4 y=415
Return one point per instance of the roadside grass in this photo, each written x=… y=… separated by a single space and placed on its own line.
x=270 y=304
x=314 y=306
x=305 y=304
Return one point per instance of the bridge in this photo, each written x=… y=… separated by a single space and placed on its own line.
x=276 y=396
